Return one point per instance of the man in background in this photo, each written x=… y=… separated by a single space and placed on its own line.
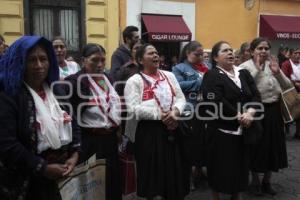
x=122 y=54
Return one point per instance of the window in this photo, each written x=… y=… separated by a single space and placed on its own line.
x=51 y=18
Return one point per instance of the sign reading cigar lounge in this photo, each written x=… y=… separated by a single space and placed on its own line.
x=169 y=37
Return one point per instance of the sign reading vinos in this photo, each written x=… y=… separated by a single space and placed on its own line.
x=279 y=27
x=288 y=35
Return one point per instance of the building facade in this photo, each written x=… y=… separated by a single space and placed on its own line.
x=101 y=21
x=167 y=24
x=238 y=21
x=78 y=21
x=209 y=21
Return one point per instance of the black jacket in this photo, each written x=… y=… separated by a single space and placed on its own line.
x=80 y=95
x=126 y=71
x=18 y=140
x=121 y=56
x=218 y=88
x=84 y=90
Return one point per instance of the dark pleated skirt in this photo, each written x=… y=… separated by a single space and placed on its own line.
x=41 y=188
x=227 y=164
x=270 y=153
x=104 y=146
x=159 y=160
x=195 y=144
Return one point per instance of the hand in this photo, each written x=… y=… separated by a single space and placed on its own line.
x=70 y=163
x=246 y=119
x=170 y=119
x=274 y=66
x=164 y=115
x=55 y=171
x=167 y=118
x=172 y=125
x=297 y=85
x=239 y=116
x=171 y=116
x=258 y=62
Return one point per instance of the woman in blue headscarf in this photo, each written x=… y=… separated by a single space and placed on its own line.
x=39 y=141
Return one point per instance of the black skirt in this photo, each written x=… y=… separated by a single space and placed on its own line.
x=194 y=143
x=104 y=146
x=160 y=167
x=270 y=153
x=41 y=188
x=227 y=164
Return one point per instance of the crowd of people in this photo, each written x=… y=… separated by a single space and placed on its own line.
x=162 y=114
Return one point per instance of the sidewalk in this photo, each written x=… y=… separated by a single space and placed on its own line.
x=286 y=182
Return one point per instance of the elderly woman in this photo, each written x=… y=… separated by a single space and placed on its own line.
x=98 y=109
x=66 y=67
x=229 y=89
x=154 y=100
x=39 y=141
x=270 y=154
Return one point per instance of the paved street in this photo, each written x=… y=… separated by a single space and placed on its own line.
x=286 y=182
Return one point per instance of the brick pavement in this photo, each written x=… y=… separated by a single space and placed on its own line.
x=286 y=182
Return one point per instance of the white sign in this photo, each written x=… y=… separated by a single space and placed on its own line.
x=288 y=35
x=170 y=37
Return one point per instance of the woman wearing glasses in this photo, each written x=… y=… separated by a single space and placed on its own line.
x=270 y=153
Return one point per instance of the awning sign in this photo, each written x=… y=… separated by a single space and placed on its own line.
x=166 y=28
x=288 y=35
x=280 y=27
x=170 y=37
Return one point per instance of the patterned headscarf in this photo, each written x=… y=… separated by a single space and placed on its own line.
x=13 y=63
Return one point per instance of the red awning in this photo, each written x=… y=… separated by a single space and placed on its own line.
x=166 y=28
x=279 y=27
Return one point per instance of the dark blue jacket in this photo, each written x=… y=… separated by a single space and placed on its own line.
x=121 y=56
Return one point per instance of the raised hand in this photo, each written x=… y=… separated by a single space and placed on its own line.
x=274 y=66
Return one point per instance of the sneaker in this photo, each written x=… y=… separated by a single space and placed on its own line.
x=267 y=188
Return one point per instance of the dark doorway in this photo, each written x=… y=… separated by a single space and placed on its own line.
x=169 y=49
